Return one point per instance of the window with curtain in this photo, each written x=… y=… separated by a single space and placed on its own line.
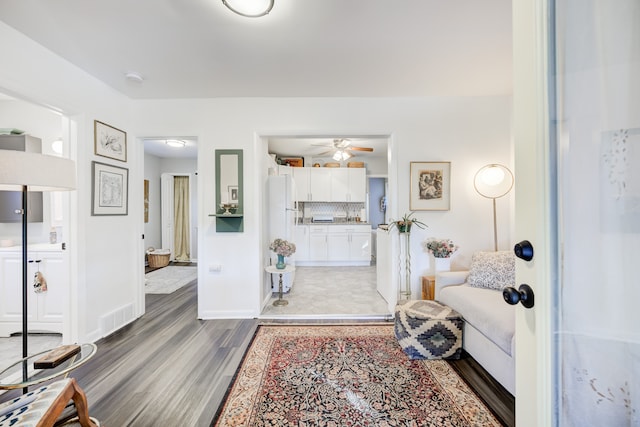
x=181 y=218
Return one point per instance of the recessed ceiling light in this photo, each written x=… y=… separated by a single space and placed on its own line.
x=249 y=8
x=134 y=77
x=57 y=146
x=177 y=143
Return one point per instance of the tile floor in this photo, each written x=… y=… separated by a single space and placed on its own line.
x=331 y=292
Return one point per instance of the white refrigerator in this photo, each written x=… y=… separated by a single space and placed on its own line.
x=282 y=217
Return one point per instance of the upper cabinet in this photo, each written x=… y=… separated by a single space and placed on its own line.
x=348 y=185
x=330 y=184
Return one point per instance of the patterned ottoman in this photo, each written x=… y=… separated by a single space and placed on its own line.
x=428 y=330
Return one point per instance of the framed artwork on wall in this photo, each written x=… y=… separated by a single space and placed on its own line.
x=233 y=194
x=430 y=186
x=110 y=185
x=109 y=141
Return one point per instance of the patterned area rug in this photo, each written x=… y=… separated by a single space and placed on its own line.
x=344 y=375
x=169 y=279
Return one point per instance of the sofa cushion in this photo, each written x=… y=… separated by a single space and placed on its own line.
x=485 y=310
x=493 y=270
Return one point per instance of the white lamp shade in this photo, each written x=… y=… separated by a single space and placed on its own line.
x=493 y=181
x=39 y=172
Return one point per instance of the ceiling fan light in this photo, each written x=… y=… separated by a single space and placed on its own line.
x=249 y=8
x=337 y=155
x=346 y=155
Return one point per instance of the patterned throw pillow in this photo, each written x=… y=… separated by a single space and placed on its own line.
x=493 y=270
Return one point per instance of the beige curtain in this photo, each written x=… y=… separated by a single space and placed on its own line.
x=181 y=218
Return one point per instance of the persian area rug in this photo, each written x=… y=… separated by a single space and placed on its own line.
x=355 y=375
x=169 y=279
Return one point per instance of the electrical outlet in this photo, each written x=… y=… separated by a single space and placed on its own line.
x=215 y=268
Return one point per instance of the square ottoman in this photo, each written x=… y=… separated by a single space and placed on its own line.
x=428 y=330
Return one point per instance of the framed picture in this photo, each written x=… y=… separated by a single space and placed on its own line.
x=109 y=141
x=430 y=186
x=233 y=194
x=110 y=190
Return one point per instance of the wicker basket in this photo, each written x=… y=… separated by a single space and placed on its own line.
x=158 y=259
x=355 y=164
x=332 y=165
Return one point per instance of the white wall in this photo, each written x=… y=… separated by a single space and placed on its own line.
x=469 y=132
x=105 y=251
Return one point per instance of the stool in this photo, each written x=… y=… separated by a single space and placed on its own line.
x=428 y=330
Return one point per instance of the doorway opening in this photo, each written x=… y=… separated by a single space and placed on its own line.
x=340 y=285
x=171 y=213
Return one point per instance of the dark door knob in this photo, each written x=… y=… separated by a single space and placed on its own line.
x=524 y=250
x=523 y=294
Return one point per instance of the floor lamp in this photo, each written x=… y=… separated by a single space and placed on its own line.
x=493 y=181
x=23 y=171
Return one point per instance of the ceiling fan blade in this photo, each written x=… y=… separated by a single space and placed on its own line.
x=359 y=148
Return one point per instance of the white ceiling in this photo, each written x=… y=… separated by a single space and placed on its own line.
x=303 y=48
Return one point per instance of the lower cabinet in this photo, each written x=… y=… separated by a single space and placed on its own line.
x=45 y=310
x=338 y=245
x=301 y=240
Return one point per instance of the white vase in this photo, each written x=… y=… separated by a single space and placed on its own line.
x=443 y=264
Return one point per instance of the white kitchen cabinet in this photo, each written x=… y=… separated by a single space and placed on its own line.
x=301 y=240
x=301 y=184
x=340 y=191
x=320 y=184
x=360 y=245
x=348 y=185
x=337 y=244
x=317 y=243
x=357 y=184
x=329 y=184
x=45 y=310
x=340 y=245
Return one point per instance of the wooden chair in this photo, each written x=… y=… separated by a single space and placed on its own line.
x=43 y=406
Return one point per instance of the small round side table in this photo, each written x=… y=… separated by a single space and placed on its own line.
x=273 y=270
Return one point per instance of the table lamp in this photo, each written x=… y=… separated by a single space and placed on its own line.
x=493 y=181
x=24 y=171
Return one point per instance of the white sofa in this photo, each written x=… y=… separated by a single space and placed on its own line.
x=489 y=328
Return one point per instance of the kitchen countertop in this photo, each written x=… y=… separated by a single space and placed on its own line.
x=336 y=222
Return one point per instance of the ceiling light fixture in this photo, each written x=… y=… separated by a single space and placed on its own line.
x=341 y=155
x=134 y=77
x=249 y=8
x=177 y=143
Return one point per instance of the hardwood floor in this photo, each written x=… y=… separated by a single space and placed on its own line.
x=169 y=369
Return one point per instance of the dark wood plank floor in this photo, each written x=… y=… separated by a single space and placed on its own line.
x=170 y=369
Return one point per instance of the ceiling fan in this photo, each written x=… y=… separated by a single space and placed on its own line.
x=342 y=149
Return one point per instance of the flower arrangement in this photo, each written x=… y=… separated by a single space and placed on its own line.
x=282 y=247
x=404 y=224
x=440 y=248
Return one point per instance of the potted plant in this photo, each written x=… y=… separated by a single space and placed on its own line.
x=404 y=224
x=282 y=248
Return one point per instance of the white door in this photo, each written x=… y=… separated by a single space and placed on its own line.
x=577 y=198
x=534 y=213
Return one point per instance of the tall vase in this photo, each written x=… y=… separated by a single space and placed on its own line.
x=404 y=266
x=443 y=264
x=280 y=265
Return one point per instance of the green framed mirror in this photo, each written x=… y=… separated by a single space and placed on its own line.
x=229 y=191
